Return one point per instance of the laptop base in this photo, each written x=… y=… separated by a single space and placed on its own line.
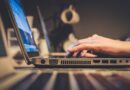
x=83 y=66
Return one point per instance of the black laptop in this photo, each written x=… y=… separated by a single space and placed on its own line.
x=31 y=52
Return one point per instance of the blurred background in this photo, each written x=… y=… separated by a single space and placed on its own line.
x=104 y=17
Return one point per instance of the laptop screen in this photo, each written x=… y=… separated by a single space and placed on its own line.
x=23 y=26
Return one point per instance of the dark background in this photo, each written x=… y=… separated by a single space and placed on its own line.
x=110 y=18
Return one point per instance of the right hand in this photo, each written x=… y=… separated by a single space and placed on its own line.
x=101 y=44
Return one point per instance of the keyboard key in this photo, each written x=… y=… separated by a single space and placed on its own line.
x=62 y=82
x=73 y=83
x=24 y=83
x=104 y=82
x=40 y=82
x=83 y=82
x=120 y=82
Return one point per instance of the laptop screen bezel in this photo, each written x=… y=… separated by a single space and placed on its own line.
x=29 y=54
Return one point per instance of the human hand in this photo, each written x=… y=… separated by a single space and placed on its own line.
x=99 y=44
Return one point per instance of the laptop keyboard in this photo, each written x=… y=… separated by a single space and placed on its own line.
x=80 y=81
x=105 y=83
x=62 y=82
x=24 y=82
x=83 y=82
x=119 y=81
x=40 y=82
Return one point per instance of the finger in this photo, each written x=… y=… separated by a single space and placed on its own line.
x=69 y=54
x=83 y=52
x=82 y=47
x=72 y=45
x=89 y=55
x=75 y=54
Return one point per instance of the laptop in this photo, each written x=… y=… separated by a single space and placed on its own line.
x=31 y=52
